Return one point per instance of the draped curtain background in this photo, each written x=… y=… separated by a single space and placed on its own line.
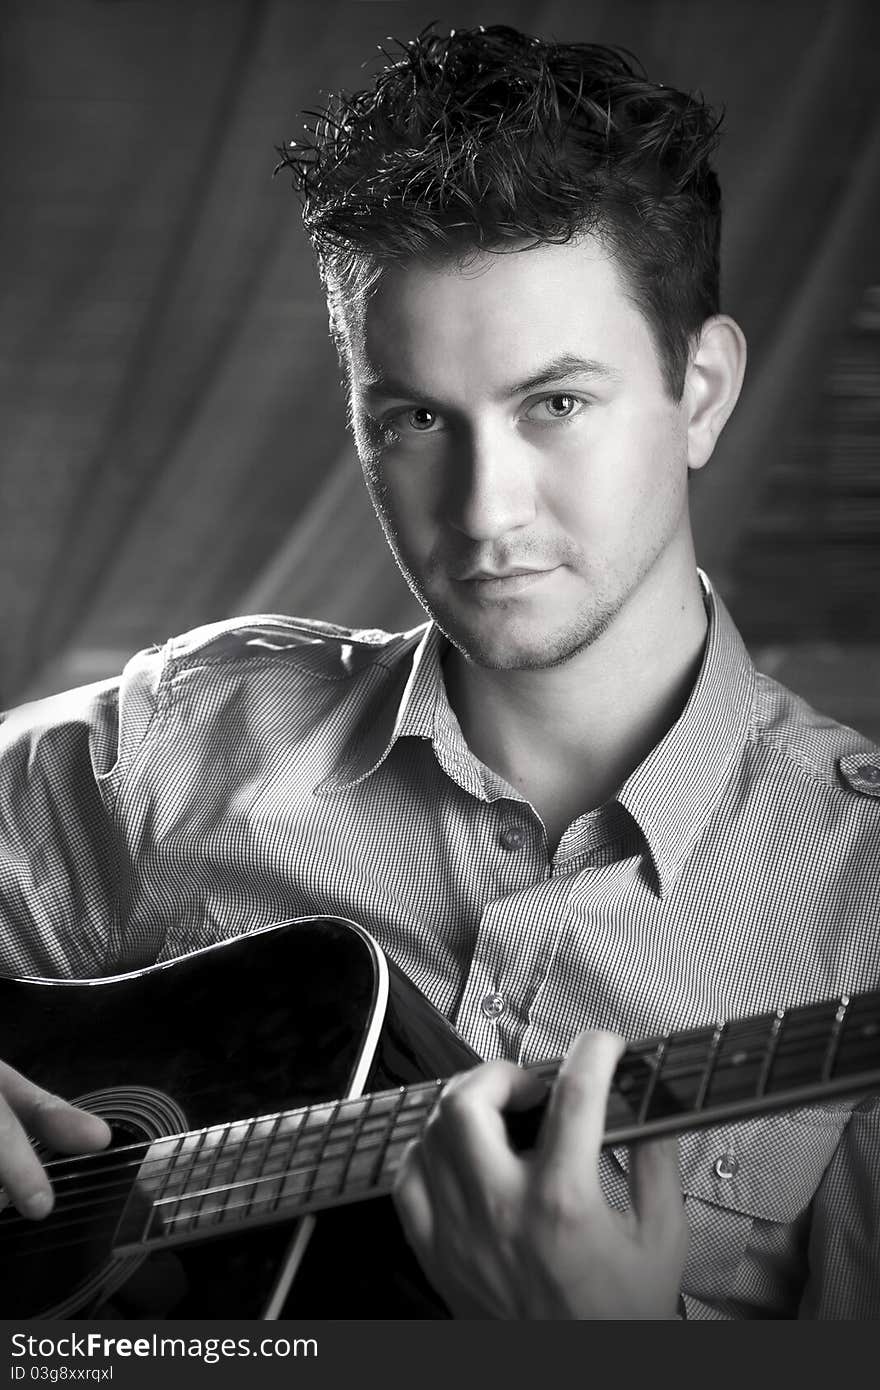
x=173 y=433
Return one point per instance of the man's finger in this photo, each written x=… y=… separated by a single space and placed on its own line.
x=27 y=1109
x=22 y=1177
x=574 y=1125
x=49 y=1118
x=467 y=1135
x=412 y=1201
x=67 y=1129
x=655 y=1187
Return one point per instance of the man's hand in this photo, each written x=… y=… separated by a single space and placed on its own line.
x=503 y=1234
x=26 y=1109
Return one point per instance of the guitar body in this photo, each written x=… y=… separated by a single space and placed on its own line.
x=299 y=1013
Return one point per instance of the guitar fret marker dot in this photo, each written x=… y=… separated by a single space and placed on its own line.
x=738 y=1058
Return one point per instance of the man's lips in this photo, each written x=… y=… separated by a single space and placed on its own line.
x=503 y=582
x=502 y=574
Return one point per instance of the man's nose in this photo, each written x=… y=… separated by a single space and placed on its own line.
x=491 y=487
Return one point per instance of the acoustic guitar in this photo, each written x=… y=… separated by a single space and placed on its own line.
x=256 y=1083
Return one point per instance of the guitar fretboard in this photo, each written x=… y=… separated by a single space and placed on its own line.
x=283 y=1165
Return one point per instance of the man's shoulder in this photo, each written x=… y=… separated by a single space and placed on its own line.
x=325 y=649
x=308 y=656
x=815 y=746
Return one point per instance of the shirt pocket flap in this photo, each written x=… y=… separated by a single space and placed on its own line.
x=768 y=1167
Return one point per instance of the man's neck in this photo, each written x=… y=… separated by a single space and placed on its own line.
x=567 y=737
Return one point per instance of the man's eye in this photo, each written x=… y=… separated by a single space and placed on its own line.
x=558 y=407
x=421 y=419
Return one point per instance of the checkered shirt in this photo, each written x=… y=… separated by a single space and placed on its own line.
x=269 y=767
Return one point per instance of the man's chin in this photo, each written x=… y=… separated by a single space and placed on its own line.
x=497 y=647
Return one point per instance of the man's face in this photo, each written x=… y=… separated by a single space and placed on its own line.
x=520 y=448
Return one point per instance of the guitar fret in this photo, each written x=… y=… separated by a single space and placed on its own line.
x=279 y=1157
x=356 y=1133
x=211 y=1203
x=186 y=1164
x=377 y=1133
x=834 y=1038
x=243 y=1149
x=190 y=1176
x=266 y=1148
x=180 y=1177
x=859 y=1042
x=421 y=1104
x=631 y=1076
x=274 y=1148
x=225 y=1173
x=738 y=1065
x=324 y=1157
x=292 y=1147
x=190 y=1209
x=770 y=1052
x=709 y=1068
x=662 y=1080
x=208 y=1203
x=656 y=1067
x=376 y=1170
x=152 y=1223
x=802 y=1047
x=171 y=1166
x=299 y=1173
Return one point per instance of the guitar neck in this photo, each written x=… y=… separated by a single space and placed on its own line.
x=275 y=1167
x=709 y=1076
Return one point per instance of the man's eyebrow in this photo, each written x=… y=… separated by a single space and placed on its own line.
x=568 y=364
x=389 y=388
x=559 y=368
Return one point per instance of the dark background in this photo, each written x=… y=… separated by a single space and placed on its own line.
x=173 y=441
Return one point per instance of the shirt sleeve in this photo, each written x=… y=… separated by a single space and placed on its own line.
x=63 y=873
x=844 y=1244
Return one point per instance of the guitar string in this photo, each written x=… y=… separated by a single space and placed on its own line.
x=199 y=1222
x=217 y=1213
x=196 y=1220
x=308 y=1116
x=310 y=1123
x=311 y=1120
x=250 y=1183
x=361 y=1106
x=297 y=1203
x=120 y=1185
x=309 y=1163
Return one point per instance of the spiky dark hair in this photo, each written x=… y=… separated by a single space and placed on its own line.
x=488 y=139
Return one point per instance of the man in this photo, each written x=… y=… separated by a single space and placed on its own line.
x=569 y=803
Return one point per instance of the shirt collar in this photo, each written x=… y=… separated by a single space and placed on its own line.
x=670 y=796
x=406 y=701
x=412 y=702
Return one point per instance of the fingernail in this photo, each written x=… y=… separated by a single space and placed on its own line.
x=38 y=1205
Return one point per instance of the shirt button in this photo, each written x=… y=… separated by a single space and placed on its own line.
x=512 y=837
x=493 y=1005
x=726 y=1167
x=861 y=774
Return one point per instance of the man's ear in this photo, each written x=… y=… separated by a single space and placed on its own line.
x=712 y=384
